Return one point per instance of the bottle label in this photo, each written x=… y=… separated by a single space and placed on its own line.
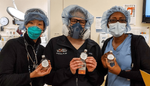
x=82 y=70
x=83 y=56
x=110 y=58
x=45 y=63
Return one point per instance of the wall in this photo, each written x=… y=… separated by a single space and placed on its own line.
x=96 y=8
x=55 y=17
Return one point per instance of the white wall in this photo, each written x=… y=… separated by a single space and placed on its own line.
x=96 y=8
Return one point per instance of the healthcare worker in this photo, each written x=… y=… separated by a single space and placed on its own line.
x=20 y=57
x=64 y=51
x=131 y=52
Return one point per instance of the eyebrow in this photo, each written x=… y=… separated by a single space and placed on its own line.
x=119 y=17
x=77 y=19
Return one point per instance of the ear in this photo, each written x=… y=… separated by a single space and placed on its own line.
x=26 y=26
x=41 y=35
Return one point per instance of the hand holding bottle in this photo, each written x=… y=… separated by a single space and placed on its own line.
x=38 y=72
x=113 y=69
x=91 y=64
x=75 y=63
x=108 y=55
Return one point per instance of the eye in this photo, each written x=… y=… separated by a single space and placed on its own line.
x=39 y=24
x=82 y=21
x=73 y=20
x=122 y=20
x=112 y=20
x=30 y=22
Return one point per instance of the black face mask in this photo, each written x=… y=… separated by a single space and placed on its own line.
x=76 y=31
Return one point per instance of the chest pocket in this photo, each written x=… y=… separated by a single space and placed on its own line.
x=63 y=57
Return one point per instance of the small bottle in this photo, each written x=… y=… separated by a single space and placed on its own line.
x=83 y=57
x=110 y=57
x=44 y=62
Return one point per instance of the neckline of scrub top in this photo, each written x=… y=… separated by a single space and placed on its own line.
x=74 y=47
x=120 y=46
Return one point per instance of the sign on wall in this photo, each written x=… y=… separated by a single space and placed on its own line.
x=132 y=10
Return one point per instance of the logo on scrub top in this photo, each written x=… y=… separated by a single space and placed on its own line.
x=61 y=51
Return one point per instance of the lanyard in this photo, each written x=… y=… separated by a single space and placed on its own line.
x=35 y=63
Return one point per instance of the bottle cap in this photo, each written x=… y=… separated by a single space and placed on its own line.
x=110 y=57
x=110 y=51
x=43 y=56
x=85 y=50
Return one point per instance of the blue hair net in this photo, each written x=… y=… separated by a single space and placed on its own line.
x=86 y=15
x=109 y=12
x=35 y=14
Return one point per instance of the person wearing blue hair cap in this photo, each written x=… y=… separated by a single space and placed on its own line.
x=20 y=57
x=74 y=57
x=131 y=51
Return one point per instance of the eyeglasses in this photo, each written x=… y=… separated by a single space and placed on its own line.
x=73 y=21
x=115 y=20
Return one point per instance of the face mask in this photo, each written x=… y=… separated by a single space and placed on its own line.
x=34 y=32
x=76 y=31
x=117 y=29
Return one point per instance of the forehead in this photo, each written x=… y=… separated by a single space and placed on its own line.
x=40 y=21
x=78 y=14
x=77 y=18
x=117 y=15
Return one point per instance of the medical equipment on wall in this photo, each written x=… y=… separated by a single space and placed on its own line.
x=16 y=14
x=18 y=17
x=3 y=21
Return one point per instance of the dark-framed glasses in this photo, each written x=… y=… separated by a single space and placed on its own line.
x=73 y=21
x=115 y=20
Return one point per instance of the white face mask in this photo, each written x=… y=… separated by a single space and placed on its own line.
x=117 y=29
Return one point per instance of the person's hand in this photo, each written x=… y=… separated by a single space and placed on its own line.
x=75 y=63
x=38 y=72
x=103 y=59
x=115 y=69
x=90 y=64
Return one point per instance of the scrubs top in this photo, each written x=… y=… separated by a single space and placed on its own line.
x=123 y=58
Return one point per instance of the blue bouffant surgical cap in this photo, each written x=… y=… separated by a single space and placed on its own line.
x=35 y=14
x=77 y=11
x=109 y=12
